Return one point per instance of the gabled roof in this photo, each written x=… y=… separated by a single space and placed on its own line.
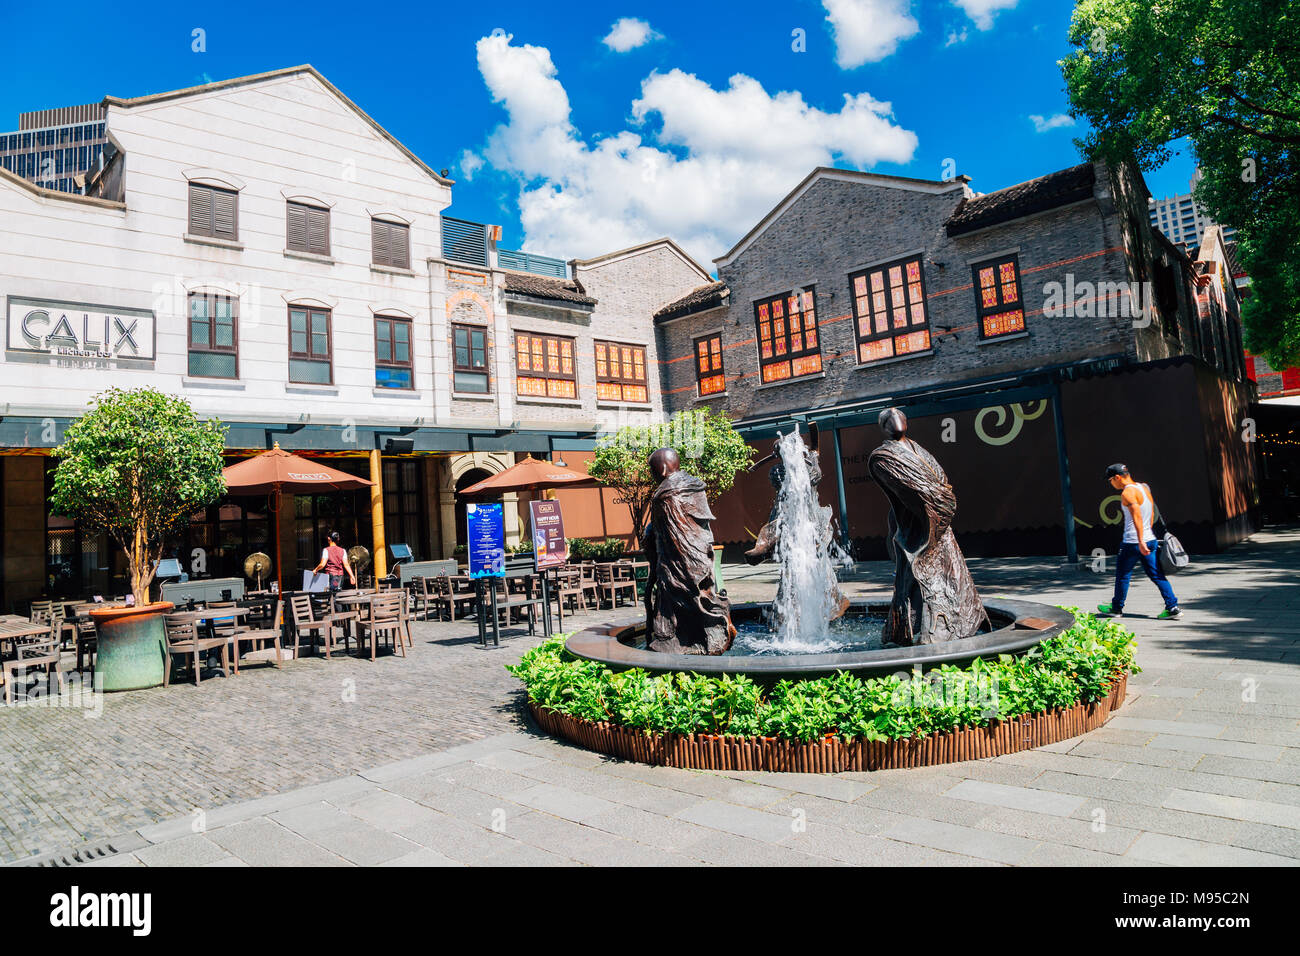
x=641 y=247
x=130 y=102
x=543 y=287
x=699 y=299
x=1023 y=199
x=843 y=175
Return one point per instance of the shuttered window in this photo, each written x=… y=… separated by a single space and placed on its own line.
x=391 y=244
x=308 y=228
x=214 y=212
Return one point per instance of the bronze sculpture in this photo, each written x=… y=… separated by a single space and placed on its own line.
x=684 y=614
x=934 y=597
x=769 y=536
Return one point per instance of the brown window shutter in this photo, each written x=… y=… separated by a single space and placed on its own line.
x=400 y=246
x=379 y=241
x=297 y=216
x=200 y=210
x=318 y=230
x=225 y=214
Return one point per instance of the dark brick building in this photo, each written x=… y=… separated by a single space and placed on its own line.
x=1034 y=335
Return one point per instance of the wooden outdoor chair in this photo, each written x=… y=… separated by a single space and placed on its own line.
x=437 y=600
x=386 y=620
x=568 y=587
x=185 y=642
x=87 y=643
x=588 y=583
x=262 y=637
x=423 y=597
x=462 y=593
x=231 y=628
x=612 y=581
x=32 y=652
x=307 y=623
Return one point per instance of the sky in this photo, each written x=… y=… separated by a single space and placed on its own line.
x=583 y=128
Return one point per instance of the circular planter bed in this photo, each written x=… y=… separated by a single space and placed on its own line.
x=832 y=754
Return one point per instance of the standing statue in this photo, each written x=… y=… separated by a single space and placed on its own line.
x=684 y=614
x=934 y=597
x=769 y=536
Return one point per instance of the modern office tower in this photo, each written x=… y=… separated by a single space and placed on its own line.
x=51 y=148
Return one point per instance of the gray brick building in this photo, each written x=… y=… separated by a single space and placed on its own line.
x=992 y=319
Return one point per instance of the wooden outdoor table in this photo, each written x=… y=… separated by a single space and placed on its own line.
x=14 y=628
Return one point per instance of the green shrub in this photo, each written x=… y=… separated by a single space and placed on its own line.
x=584 y=549
x=1074 y=667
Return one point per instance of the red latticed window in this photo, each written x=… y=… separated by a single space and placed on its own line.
x=787 y=336
x=998 y=298
x=620 y=373
x=889 y=310
x=544 y=366
x=709 y=378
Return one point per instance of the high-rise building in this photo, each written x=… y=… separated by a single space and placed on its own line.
x=51 y=148
x=1182 y=219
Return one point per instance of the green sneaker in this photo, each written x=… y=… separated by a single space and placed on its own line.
x=1172 y=615
x=1109 y=610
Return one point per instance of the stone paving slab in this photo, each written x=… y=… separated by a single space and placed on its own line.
x=428 y=761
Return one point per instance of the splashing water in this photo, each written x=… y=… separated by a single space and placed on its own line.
x=808 y=555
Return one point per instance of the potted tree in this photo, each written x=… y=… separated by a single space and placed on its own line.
x=135 y=467
x=709 y=446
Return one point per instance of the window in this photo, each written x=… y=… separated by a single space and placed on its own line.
x=889 y=310
x=213 y=336
x=544 y=366
x=469 y=359
x=390 y=244
x=393 y=366
x=709 y=378
x=787 y=336
x=620 y=373
x=309 y=346
x=214 y=212
x=997 y=297
x=308 y=228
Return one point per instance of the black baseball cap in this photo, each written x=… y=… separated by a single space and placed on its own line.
x=1116 y=469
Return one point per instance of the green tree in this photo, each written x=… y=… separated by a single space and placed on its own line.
x=136 y=466
x=1224 y=74
x=710 y=448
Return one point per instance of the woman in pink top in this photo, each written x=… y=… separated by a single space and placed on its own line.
x=334 y=561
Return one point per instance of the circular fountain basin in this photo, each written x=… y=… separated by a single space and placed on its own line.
x=1017 y=626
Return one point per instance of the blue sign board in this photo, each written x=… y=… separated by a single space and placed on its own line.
x=486 y=540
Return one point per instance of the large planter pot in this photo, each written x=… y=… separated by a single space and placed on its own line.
x=131 y=646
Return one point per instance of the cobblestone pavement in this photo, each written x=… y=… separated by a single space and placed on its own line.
x=430 y=763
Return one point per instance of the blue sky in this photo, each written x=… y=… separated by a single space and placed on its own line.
x=579 y=140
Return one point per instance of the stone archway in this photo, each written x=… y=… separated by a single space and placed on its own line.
x=454 y=471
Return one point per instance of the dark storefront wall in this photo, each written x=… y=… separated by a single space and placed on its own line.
x=80 y=564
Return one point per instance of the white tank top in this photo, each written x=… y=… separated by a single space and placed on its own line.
x=1146 y=509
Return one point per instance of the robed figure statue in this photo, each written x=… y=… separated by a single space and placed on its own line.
x=684 y=613
x=934 y=597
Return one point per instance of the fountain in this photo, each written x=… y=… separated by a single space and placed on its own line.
x=810 y=629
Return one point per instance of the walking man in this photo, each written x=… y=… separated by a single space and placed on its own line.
x=1139 y=544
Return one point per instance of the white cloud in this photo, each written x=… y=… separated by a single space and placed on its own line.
x=954 y=37
x=1043 y=124
x=720 y=160
x=983 y=11
x=628 y=33
x=867 y=31
x=470 y=163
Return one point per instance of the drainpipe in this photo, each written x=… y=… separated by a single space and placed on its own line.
x=1063 y=463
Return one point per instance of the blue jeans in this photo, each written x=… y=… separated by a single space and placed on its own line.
x=1128 y=558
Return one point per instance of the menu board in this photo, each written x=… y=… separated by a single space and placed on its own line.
x=486 y=540
x=550 y=547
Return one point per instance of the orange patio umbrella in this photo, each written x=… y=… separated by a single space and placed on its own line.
x=275 y=472
x=531 y=474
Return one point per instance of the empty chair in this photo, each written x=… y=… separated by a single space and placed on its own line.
x=307 y=622
x=34 y=652
x=386 y=621
x=612 y=582
x=185 y=642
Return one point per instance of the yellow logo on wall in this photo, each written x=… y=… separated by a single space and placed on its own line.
x=1018 y=418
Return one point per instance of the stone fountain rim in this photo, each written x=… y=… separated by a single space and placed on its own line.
x=601 y=643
